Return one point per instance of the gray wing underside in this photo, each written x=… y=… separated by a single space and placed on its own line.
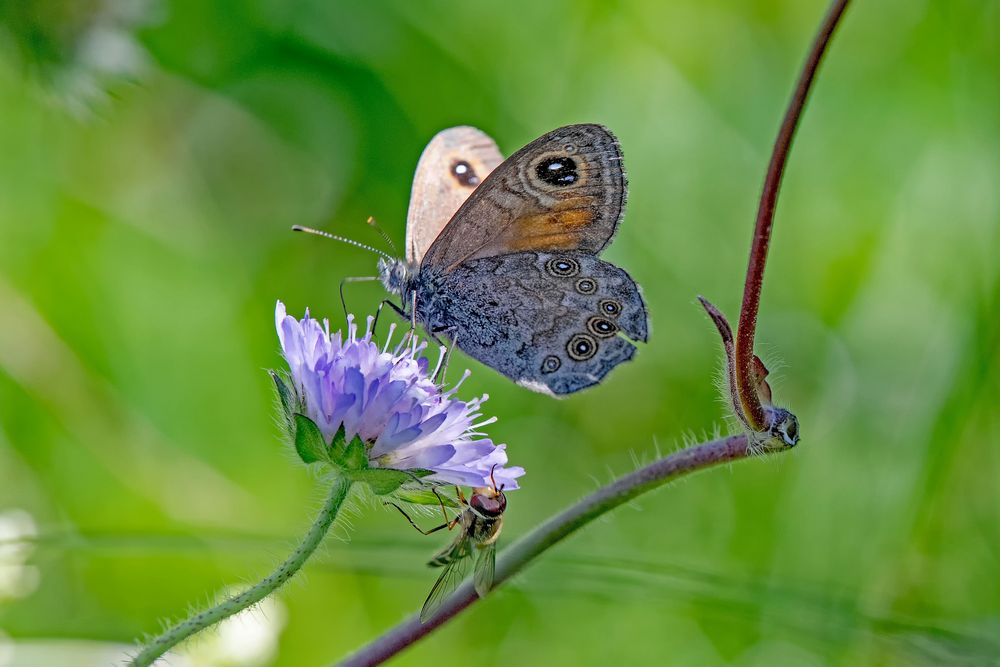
x=526 y=316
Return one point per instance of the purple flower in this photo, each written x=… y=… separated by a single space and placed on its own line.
x=388 y=400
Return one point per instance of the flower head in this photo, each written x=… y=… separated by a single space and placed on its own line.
x=352 y=388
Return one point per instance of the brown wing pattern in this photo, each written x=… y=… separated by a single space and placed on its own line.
x=564 y=191
x=452 y=165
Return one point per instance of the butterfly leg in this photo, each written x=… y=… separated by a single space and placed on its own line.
x=355 y=279
x=442 y=372
x=413 y=313
x=413 y=320
x=378 y=311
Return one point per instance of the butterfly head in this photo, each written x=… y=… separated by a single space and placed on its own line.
x=394 y=274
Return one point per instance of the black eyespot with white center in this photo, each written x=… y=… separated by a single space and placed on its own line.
x=586 y=286
x=581 y=347
x=610 y=307
x=551 y=364
x=562 y=267
x=557 y=171
x=464 y=173
x=602 y=327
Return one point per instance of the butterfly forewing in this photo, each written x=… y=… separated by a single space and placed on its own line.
x=565 y=190
x=452 y=165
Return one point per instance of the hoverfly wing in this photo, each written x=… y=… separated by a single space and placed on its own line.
x=459 y=549
x=451 y=577
x=486 y=566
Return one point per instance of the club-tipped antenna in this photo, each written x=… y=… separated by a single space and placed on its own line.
x=319 y=232
x=381 y=232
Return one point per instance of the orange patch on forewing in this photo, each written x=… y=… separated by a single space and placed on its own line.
x=547 y=242
x=552 y=230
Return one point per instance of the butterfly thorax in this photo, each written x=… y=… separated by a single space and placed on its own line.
x=422 y=288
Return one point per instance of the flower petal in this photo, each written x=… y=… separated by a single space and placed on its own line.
x=388 y=399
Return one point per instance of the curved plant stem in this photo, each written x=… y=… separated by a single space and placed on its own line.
x=237 y=603
x=518 y=555
x=749 y=400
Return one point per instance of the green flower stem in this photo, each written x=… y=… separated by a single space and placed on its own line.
x=513 y=559
x=237 y=603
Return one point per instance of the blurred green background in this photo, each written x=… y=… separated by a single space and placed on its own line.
x=154 y=155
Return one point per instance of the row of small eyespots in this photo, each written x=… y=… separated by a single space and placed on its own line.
x=582 y=346
x=565 y=267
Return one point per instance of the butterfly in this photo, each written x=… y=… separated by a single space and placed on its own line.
x=502 y=256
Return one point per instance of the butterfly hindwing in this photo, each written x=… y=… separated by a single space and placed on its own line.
x=564 y=191
x=452 y=165
x=554 y=322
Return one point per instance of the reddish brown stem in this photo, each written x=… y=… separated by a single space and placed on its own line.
x=749 y=400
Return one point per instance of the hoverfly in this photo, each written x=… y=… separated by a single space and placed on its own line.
x=479 y=527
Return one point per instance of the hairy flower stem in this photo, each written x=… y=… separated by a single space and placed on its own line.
x=518 y=555
x=237 y=603
x=749 y=400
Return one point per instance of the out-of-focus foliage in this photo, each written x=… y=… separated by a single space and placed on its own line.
x=143 y=244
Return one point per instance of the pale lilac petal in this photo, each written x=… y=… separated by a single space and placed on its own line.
x=426 y=457
x=388 y=399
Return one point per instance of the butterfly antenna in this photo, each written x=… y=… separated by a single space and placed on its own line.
x=318 y=232
x=381 y=232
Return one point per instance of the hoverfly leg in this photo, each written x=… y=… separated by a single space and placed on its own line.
x=441 y=501
x=448 y=525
